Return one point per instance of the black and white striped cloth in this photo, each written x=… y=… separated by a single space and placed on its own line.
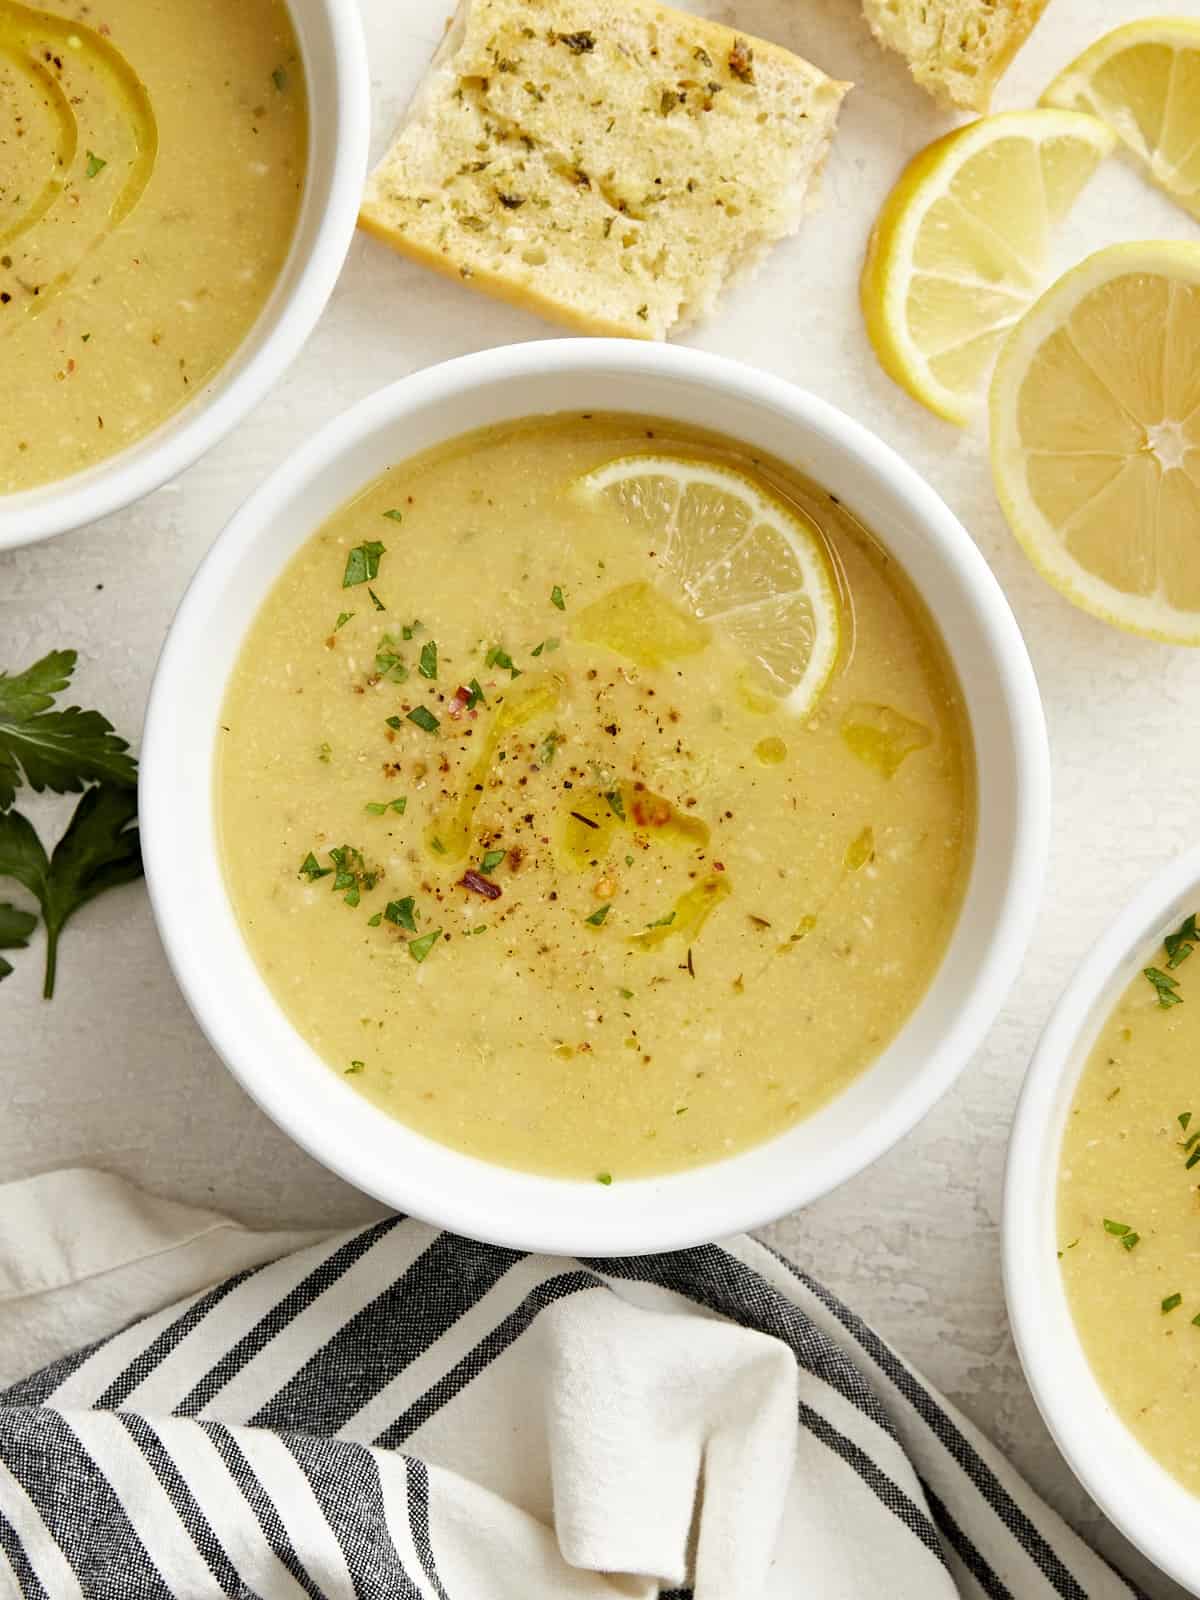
x=400 y=1414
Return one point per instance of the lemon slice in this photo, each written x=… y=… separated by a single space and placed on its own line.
x=1095 y=417
x=752 y=566
x=1143 y=80
x=960 y=247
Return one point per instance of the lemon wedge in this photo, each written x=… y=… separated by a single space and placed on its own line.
x=753 y=567
x=1143 y=80
x=960 y=247
x=1095 y=437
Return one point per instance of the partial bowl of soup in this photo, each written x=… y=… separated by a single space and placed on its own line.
x=1102 y=1222
x=178 y=190
x=613 y=802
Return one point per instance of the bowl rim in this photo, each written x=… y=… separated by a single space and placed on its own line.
x=1095 y=1442
x=62 y=505
x=1024 y=735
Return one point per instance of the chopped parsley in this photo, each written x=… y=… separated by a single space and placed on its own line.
x=377 y=808
x=598 y=916
x=604 y=1177
x=491 y=860
x=475 y=696
x=94 y=165
x=663 y=922
x=1118 y=1228
x=410 y=628
x=373 y=922
x=418 y=949
x=1183 y=1119
x=312 y=869
x=617 y=806
x=355 y=1067
x=556 y=598
x=343 y=619
x=389 y=663
x=362 y=563
x=498 y=656
x=429 y=660
x=279 y=78
x=352 y=874
x=400 y=913
x=394 y=722
x=1179 y=945
x=1164 y=986
x=1171 y=1301
x=546 y=644
x=375 y=600
x=393 y=515
x=424 y=719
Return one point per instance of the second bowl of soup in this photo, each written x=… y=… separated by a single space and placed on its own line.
x=618 y=794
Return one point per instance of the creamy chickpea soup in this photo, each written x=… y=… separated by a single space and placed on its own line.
x=527 y=836
x=1129 y=1207
x=152 y=158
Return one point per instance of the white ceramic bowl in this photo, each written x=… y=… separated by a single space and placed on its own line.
x=334 y=51
x=1150 y=1507
x=316 y=1106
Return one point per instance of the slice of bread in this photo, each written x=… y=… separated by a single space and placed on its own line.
x=957 y=49
x=608 y=163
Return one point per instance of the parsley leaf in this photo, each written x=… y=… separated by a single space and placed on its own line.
x=1179 y=944
x=362 y=563
x=428 y=666
x=418 y=949
x=475 y=696
x=15 y=927
x=1165 y=987
x=375 y=600
x=491 y=860
x=400 y=913
x=424 y=719
x=598 y=916
x=57 y=750
x=312 y=869
x=394 y=516
x=94 y=165
x=99 y=850
x=615 y=803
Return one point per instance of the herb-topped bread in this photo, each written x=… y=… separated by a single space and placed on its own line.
x=609 y=163
x=957 y=49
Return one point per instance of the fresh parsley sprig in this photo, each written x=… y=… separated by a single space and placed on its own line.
x=65 y=751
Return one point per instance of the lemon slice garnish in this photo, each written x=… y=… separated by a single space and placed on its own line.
x=960 y=247
x=1095 y=418
x=742 y=560
x=1143 y=80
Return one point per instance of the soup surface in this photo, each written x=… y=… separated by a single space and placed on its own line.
x=152 y=158
x=526 y=851
x=1129 y=1208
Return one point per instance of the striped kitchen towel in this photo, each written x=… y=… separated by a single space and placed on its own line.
x=397 y=1413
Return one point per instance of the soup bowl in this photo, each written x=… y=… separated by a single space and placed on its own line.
x=333 y=49
x=233 y=1003
x=1150 y=1507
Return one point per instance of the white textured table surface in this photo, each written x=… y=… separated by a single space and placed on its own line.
x=115 y=1073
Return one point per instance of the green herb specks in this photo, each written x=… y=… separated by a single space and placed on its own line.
x=556 y=598
x=424 y=719
x=1179 y=945
x=418 y=949
x=597 y=917
x=1164 y=986
x=95 y=165
x=429 y=660
x=1170 y=1303
x=362 y=563
x=400 y=913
